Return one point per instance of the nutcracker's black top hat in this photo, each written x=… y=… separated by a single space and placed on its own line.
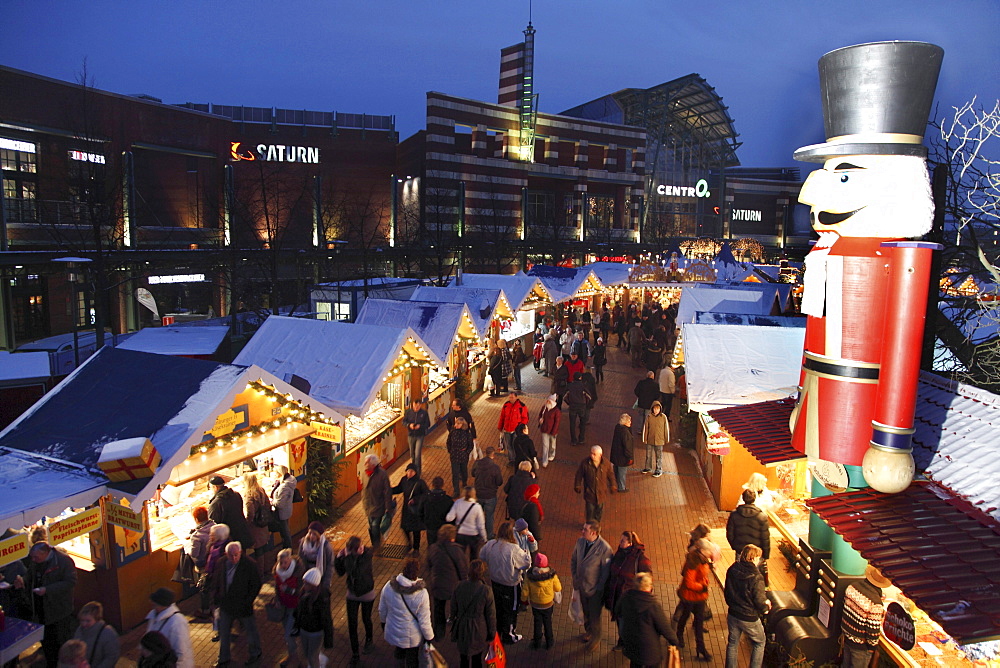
x=876 y=99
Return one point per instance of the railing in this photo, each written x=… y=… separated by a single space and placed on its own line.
x=54 y=212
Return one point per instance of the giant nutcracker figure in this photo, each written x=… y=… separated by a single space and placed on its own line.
x=865 y=286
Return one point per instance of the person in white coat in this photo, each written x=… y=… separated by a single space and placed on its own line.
x=166 y=618
x=282 y=497
x=470 y=522
x=405 y=610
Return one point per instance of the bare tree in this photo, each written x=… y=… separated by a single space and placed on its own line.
x=494 y=226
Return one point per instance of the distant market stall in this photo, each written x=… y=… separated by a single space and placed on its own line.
x=24 y=378
x=526 y=295
x=571 y=287
x=116 y=485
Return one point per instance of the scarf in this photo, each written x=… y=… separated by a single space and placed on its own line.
x=315 y=552
x=538 y=504
x=284 y=574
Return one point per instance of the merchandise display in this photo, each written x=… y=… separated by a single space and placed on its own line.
x=378 y=418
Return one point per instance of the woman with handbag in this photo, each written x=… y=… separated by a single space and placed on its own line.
x=413 y=489
x=257 y=510
x=288 y=573
x=470 y=522
x=355 y=562
x=693 y=595
x=199 y=543
x=474 y=614
x=629 y=560
x=312 y=616
x=405 y=611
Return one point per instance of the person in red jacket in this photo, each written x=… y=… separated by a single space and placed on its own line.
x=693 y=594
x=575 y=365
x=548 y=423
x=513 y=413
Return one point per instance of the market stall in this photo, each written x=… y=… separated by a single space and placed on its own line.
x=527 y=297
x=368 y=373
x=570 y=287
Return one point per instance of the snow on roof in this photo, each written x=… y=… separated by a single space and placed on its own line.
x=710 y=318
x=35 y=487
x=564 y=283
x=955 y=440
x=177 y=340
x=723 y=299
x=610 y=273
x=23 y=366
x=729 y=365
x=484 y=304
x=344 y=363
x=381 y=281
x=782 y=291
x=517 y=287
x=437 y=323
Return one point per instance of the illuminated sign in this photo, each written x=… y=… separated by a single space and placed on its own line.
x=75 y=526
x=747 y=214
x=326 y=432
x=700 y=190
x=14 y=145
x=96 y=158
x=233 y=419
x=177 y=278
x=124 y=517
x=14 y=548
x=273 y=153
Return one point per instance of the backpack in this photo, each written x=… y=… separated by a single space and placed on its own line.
x=262 y=516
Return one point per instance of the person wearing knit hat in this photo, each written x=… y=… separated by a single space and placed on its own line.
x=542 y=590
x=166 y=618
x=525 y=539
x=861 y=621
x=163 y=597
x=312 y=577
x=532 y=512
x=312 y=615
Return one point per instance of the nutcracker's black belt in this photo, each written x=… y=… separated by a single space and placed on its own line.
x=842 y=368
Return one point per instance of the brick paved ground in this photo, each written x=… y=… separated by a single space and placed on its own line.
x=660 y=510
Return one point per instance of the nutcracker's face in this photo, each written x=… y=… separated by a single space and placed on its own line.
x=880 y=196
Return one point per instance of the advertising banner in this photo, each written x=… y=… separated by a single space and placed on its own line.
x=76 y=525
x=124 y=517
x=14 y=548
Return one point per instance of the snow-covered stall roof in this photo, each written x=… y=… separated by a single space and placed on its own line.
x=728 y=269
x=437 y=323
x=177 y=340
x=522 y=291
x=744 y=319
x=35 y=487
x=484 y=304
x=727 y=365
x=610 y=273
x=344 y=363
x=724 y=299
x=566 y=283
x=16 y=367
x=782 y=291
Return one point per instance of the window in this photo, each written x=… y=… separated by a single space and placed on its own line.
x=20 y=164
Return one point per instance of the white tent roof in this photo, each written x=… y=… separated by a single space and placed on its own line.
x=720 y=299
x=610 y=273
x=437 y=323
x=190 y=340
x=516 y=287
x=563 y=283
x=344 y=363
x=23 y=366
x=729 y=365
x=484 y=304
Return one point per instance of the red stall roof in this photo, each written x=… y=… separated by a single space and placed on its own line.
x=939 y=549
x=762 y=429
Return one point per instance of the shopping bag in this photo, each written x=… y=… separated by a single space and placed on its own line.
x=275 y=611
x=431 y=657
x=576 y=609
x=496 y=655
x=488 y=383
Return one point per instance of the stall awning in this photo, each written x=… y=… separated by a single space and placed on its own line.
x=437 y=323
x=567 y=283
x=762 y=429
x=484 y=304
x=940 y=550
x=523 y=291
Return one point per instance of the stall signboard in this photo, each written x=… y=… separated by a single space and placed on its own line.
x=234 y=419
x=76 y=525
x=327 y=432
x=898 y=627
x=124 y=517
x=13 y=548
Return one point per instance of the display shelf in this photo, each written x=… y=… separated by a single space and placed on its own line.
x=379 y=417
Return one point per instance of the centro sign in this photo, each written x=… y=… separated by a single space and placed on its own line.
x=273 y=153
x=700 y=190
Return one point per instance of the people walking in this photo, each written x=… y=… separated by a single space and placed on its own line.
x=517 y=359
x=643 y=623
x=560 y=379
x=548 y=425
x=312 y=616
x=636 y=341
x=218 y=539
x=513 y=413
x=413 y=490
x=646 y=392
x=532 y=512
x=542 y=590
x=376 y=497
x=693 y=595
x=226 y=507
x=550 y=351
x=435 y=509
x=237 y=583
x=600 y=359
x=167 y=619
x=506 y=561
x=445 y=565
x=522 y=448
x=405 y=611
x=514 y=489
x=747 y=605
x=628 y=561
x=49 y=584
x=700 y=540
x=578 y=400
x=747 y=525
x=470 y=522
x=354 y=562
x=103 y=646
x=622 y=450
x=198 y=545
x=288 y=572
x=316 y=551
x=155 y=652
x=590 y=565
x=668 y=384
x=525 y=539
x=417 y=424
x=474 y=622
x=460 y=444
x=488 y=479
x=459 y=411
x=655 y=434
x=595 y=480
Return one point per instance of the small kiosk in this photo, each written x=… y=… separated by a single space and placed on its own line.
x=527 y=297
x=570 y=287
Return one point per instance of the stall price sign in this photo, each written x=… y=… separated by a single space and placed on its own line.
x=898 y=627
x=14 y=548
x=124 y=517
x=326 y=432
x=76 y=525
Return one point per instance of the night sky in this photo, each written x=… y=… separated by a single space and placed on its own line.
x=381 y=56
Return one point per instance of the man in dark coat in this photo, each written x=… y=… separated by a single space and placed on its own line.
x=457 y=410
x=413 y=490
x=488 y=480
x=49 y=586
x=642 y=622
x=622 y=449
x=417 y=423
x=376 y=497
x=646 y=392
x=444 y=567
x=550 y=350
x=560 y=379
x=594 y=479
x=514 y=488
x=435 y=508
x=747 y=604
x=226 y=507
x=747 y=525
x=236 y=584
x=578 y=399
